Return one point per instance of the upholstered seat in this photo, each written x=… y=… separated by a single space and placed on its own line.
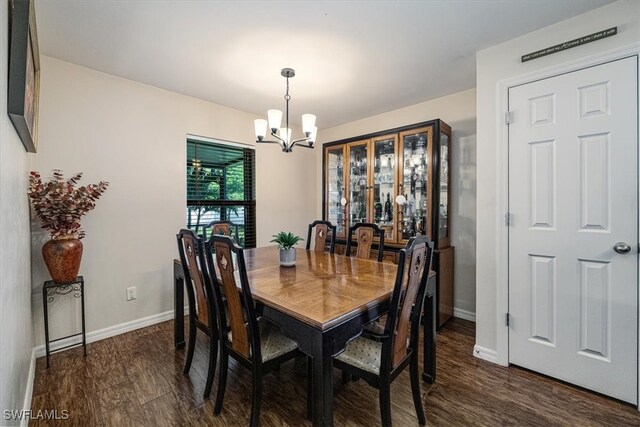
x=376 y=327
x=363 y=353
x=273 y=342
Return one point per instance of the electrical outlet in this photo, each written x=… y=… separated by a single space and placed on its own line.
x=131 y=293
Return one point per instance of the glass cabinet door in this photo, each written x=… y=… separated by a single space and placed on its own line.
x=358 y=182
x=443 y=231
x=414 y=181
x=335 y=187
x=384 y=194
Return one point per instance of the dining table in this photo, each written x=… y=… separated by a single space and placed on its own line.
x=322 y=303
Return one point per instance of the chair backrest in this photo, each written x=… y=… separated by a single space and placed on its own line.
x=365 y=233
x=189 y=246
x=224 y=228
x=403 y=321
x=324 y=229
x=245 y=338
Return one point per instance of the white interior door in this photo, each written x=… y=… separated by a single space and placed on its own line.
x=573 y=195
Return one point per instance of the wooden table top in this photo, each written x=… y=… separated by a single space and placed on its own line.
x=322 y=289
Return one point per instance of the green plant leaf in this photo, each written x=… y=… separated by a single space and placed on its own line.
x=286 y=240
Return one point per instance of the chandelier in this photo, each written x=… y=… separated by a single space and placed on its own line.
x=283 y=135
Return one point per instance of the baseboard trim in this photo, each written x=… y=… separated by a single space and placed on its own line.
x=28 y=394
x=464 y=314
x=111 y=331
x=485 y=354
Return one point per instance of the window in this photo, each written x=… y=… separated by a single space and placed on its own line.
x=221 y=186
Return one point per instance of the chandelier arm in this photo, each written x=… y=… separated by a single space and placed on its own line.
x=300 y=140
x=280 y=140
x=304 y=145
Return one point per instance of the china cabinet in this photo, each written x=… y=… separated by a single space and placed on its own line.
x=397 y=179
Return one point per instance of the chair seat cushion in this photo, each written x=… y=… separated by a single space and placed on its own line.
x=364 y=354
x=273 y=343
x=375 y=327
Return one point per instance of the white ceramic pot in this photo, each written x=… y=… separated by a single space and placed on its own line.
x=288 y=257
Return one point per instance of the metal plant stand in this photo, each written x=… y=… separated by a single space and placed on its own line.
x=49 y=292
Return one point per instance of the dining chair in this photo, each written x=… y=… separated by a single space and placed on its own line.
x=255 y=343
x=365 y=233
x=202 y=310
x=324 y=229
x=380 y=358
x=225 y=228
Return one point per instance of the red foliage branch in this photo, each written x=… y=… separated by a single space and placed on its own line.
x=60 y=205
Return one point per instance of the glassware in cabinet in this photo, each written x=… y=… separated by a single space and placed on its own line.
x=384 y=178
x=358 y=191
x=443 y=208
x=415 y=179
x=335 y=189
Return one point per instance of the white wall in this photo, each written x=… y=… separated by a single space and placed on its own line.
x=503 y=62
x=15 y=306
x=457 y=110
x=134 y=136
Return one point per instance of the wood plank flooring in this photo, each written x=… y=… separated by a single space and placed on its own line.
x=136 y=379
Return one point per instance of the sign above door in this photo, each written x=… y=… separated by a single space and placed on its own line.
x=570 y=44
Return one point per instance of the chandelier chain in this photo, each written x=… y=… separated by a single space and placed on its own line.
x=286 y=95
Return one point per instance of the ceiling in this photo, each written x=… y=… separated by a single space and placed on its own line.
x=353 y=59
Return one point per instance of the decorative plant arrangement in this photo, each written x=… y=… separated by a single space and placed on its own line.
x=60 y=204
x=286 y=242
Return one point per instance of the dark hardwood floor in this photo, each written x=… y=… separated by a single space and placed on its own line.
x=136 y=379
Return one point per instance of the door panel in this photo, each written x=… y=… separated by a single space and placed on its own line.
x=573 y=194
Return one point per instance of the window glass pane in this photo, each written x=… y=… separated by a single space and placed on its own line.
x=217 y=174
x=234 y=187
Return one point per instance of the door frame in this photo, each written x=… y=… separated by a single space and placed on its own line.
x=502 y=270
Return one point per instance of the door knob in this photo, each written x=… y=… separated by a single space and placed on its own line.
x=622 y=248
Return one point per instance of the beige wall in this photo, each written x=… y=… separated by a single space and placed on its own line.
x=15 y=307
x=134 y=136
x=494 y=65
x=458 y=110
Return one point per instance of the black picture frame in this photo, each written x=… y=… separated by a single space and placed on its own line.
x=24 y=72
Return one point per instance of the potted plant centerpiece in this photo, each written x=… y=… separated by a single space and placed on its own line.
x=60 y=204
x=286 y=242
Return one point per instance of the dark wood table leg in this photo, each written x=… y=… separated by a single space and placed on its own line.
x=429 y=373
x=178 y=305
x=322 y=346
x=322 y=387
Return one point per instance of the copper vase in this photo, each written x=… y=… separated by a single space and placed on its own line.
x=62 y=257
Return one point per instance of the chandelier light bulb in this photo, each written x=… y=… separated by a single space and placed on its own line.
x=308 y=123
x=261 y=128
x=275 y=119
x=312 y=138
x=285 y=134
